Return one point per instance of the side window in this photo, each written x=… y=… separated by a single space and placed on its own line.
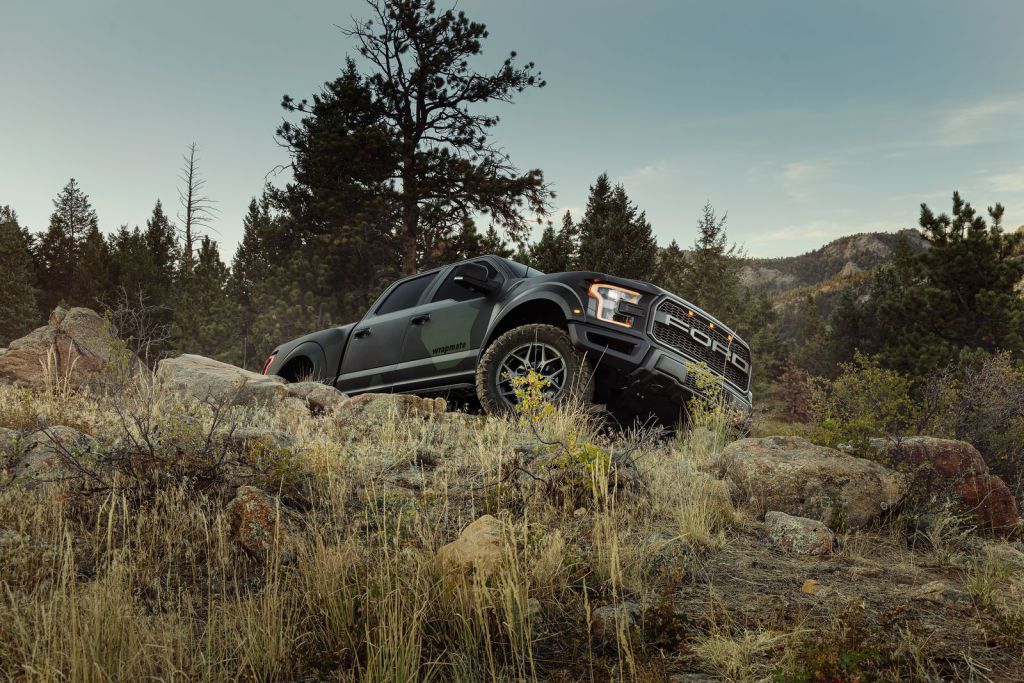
x=406 y=294
x=452 y=290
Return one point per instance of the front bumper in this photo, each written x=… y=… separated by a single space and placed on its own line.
x=646 y=367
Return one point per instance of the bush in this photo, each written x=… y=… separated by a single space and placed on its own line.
x=864 y=401
x=980 y=400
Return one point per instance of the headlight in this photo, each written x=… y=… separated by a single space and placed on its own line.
x=606 y=299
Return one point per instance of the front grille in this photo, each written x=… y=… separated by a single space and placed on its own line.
x=683 y=342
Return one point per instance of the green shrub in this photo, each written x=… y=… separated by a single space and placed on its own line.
x=864 y=401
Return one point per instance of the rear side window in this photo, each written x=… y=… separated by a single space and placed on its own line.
x=406 y=294
x=452 y=290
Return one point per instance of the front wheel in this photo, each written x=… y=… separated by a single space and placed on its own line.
x=545 y=349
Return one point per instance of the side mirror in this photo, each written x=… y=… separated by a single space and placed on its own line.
x=474 y=276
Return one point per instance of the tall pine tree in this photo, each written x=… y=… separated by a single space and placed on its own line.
x=60 y=247
x=615 y=236
x=202 y=319
x=18 y=311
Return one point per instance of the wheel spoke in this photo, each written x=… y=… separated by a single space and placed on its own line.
x=543 y=359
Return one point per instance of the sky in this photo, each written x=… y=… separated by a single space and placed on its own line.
x=804 y=120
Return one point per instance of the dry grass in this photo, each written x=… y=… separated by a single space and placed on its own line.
x=114 y=586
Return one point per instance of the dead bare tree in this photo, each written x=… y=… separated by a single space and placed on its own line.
x=197 y=209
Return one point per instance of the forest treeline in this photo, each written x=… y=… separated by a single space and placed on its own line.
x=394 y=168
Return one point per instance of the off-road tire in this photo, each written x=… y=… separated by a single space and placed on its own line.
x=579 y=382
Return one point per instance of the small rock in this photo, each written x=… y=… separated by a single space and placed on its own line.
x=858 y=573
x=607 y=621
x=478 y=549
x=799 y=535
x=667 y=554
x=8 y=437
x=254 y=522
x=936 y=592
x=1006 y=554
x=319 y=397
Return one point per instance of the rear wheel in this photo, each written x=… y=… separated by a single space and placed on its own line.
x=545 y=349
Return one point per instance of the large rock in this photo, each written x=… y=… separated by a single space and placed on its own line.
x=795 y=476
x=948 y=470
x=51 y=455
x=73 y=347
x=799 y=535
x=477 y=550
x=206 y=379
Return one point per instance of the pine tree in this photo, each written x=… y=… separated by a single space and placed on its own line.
x=60 y=246
x=202 y=319
x=401 y=143
x=91 y=284
x=163 y=247
x=556 y=252
x=252 y=264
x=615 y=236
x=18 y=311
x=924 y=310
x=711 y=277
x=131 y=264
x=671 y=271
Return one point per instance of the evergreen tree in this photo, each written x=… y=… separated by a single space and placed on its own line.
x=615 y=236
x=202 y=320
x=671 y=269
x=162 y=245
x=711 y=276
x=18 y=311
x=91 y=284
x=401 y=144
x=556 y=252
x=59 y=248
x=924 y=310
x=131 y=264
x=493 y=243
x=252 y=264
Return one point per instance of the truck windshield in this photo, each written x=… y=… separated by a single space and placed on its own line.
x=519 y=270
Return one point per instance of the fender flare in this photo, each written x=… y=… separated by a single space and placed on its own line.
x=314 y=352
x=558 y=293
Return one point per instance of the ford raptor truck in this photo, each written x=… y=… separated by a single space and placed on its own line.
x=473 y=327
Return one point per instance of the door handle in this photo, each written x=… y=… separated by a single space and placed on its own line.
x=359 y=334
x=420 y=319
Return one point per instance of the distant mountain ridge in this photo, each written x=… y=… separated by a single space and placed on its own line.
x=841 y=259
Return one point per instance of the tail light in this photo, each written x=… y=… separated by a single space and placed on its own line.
x=266 y=366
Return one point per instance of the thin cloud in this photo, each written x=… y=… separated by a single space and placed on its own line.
x=979 y=122
x=820 y=231
x=1007 y=182
x=798 y=177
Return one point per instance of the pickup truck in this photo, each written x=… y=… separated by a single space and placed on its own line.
x=472 y=327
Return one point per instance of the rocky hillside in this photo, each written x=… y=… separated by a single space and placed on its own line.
x=836 y=261
x=203 y=522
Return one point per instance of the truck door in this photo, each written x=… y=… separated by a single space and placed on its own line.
x=445 y=334
x=375 y=346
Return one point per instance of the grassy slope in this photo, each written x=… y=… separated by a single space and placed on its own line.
x=117 y=587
